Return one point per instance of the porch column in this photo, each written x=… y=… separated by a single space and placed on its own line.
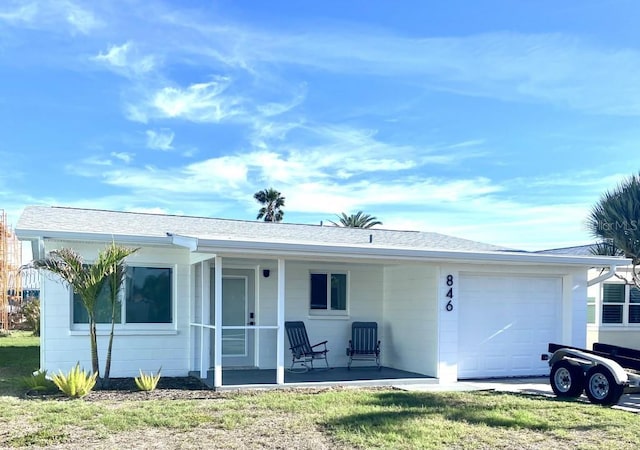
x=280 y=337
x=217 y=368
x=205 y=333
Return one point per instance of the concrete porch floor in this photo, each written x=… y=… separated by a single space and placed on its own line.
x=370 y=376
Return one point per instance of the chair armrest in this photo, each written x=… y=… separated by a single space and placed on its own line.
x=320 y=343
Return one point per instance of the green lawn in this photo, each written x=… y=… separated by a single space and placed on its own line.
x=320 y=418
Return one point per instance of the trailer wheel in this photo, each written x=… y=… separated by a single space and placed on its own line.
x=601 y=386
x=566 y=379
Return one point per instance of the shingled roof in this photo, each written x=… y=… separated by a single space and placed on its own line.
x=44 y=220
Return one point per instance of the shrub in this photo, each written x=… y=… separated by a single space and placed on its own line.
x=147 y=382
x=38 y=381
x=31 y=312
x=75 y=384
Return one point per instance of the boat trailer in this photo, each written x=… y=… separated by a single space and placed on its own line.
x=604 y=373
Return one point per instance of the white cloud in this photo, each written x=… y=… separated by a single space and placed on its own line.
x=123 y=156
x=23 y=13
x=555 y=68
x=125 y=59
x=199 y=102
x=160 y=139
x=49 y=14
x=82 y=19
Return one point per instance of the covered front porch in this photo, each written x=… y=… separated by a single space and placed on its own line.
x=239 y=306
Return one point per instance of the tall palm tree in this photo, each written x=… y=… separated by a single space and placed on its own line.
x=358 y=220
x=615 y=220
x=272 y=202
x=88 y=281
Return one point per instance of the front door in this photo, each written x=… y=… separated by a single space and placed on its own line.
x=237 y=312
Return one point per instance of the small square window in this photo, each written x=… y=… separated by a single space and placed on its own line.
x=328 y=291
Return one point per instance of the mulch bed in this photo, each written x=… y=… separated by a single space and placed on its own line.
x=169 y=388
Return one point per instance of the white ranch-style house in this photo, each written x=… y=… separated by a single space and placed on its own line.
x=210 y=297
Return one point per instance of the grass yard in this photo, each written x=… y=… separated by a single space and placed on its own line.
x=320 y=418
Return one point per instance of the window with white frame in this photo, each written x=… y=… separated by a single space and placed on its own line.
x=620 y=304
x=146 y=297
x=328 y=291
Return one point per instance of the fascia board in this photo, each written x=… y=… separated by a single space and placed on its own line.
x=297 y=249
x=29 y=235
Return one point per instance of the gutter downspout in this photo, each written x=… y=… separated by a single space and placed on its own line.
x=605 y=276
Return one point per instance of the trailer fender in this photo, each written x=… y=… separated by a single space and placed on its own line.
x=588 y=359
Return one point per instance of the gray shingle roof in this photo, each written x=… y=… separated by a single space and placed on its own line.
x=579 y=250
x=35 y=219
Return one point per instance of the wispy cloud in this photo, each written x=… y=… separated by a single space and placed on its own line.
x=199 y=102
x=123 y=156
x=127 y=60
x=18 y=13
x=49 y=14
x=160 y=139
x=555 y=68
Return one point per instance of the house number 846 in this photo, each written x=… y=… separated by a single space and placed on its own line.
x=449 y=306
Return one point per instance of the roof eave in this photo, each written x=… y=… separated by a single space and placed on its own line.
x=361 y=252
x=30 y=235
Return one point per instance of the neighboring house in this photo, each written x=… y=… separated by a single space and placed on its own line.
x=214 y=294
x=613 y=306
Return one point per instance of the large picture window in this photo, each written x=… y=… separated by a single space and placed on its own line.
x=146 y=297
x=328 y=291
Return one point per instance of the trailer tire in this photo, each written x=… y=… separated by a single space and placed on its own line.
x=601 y=386
x=566 y=379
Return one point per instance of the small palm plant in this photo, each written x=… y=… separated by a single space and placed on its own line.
x=77 y=383
x=38 y=381
x=147 y=381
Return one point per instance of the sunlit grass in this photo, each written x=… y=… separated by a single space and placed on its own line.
x=348 y=418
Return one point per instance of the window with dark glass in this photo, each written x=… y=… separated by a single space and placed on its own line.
x=146 y=293
x=634 y=305
x=613 y=299
x=103 y=307
x=329 y=291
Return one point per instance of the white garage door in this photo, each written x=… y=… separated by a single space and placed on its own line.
x=506 y=323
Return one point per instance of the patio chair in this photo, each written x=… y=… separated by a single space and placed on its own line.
x=302 y=351
x=364 y=343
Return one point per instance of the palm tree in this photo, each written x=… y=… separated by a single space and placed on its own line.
x=358 y=220
x=113 y=257
x=615 y=221
x=88 y=281
x=272 y=202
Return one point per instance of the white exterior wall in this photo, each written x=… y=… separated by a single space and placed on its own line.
x=364 y=303
x=267 y=315
x=411 y=318
x=133 y=348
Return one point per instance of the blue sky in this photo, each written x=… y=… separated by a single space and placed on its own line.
x=499 y=121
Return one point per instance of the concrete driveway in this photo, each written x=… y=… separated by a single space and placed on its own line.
x=532 y=386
